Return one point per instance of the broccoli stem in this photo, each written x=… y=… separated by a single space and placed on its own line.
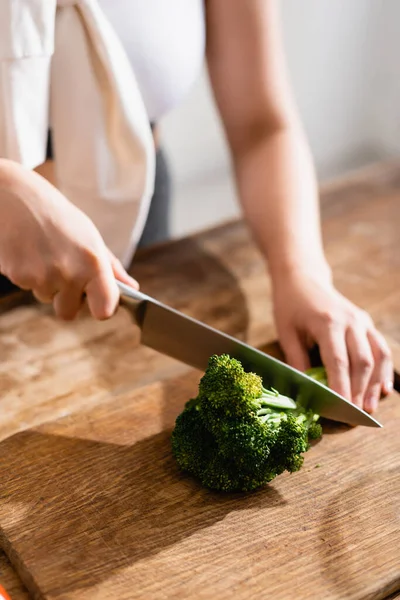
x=274 y=399
x=273 y=419
x=264 y=411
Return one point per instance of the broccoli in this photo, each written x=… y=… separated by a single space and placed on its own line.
x=319 y=374
x=236 y=435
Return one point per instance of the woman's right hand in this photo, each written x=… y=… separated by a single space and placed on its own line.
x=49 y=246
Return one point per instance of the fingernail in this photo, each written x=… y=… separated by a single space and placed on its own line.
x=387 y=387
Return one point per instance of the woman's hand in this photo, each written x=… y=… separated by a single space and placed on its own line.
x=49 y=246
x=308 y=311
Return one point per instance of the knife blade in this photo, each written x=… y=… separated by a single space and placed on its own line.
x=192 y=342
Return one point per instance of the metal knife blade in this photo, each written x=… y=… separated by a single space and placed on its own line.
x=183 y=338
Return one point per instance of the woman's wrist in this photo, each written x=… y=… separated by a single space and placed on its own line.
x=286 y=268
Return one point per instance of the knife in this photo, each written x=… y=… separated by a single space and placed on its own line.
x=183 y=338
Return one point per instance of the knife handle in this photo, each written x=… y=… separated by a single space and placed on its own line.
x=133 y=300
x=129 y=292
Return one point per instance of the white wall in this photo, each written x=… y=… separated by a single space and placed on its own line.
x=385 y=79
x=344 y=64
x=204 y=193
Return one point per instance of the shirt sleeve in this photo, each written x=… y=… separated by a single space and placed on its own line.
x=26 y=48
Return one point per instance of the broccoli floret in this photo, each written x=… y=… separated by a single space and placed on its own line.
x=314 y=431
x=236 y=435
x=192 y=444
x=319 y=374
x=227 y=389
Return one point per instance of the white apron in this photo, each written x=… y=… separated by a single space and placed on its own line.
x=63 y=68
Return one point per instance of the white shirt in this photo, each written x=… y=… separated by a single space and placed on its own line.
x=165 y=43
x=64 y=67
x=96 y=72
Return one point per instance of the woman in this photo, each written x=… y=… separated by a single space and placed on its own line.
x=274 y=172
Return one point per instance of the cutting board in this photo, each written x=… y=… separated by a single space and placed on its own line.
x=91 y=502
x=10 y=581
x=94 y=506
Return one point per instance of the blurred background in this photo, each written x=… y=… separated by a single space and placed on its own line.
x=343 y=60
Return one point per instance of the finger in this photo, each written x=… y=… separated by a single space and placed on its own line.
x=102 y=295
x=295 y=351
x=361 y=363
x=385 y=354
x=120 y=273
x=47 y=290
x=382 y=376
x=68 y=302
x=333 y=350
x=44 y=297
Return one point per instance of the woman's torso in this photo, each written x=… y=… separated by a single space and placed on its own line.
x=165 y=42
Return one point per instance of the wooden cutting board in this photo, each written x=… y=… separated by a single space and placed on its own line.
x=91 y=502
x=95 y=507
x=10 y=581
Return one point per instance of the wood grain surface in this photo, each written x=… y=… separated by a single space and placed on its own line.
x=96 y=507
x=10 y=581
x=91 y=503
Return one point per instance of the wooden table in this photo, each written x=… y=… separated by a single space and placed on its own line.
x=10 y=580
x=92 y=505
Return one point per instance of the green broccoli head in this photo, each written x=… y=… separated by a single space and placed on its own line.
x=314 y=431
x=198 y=453
x=291 y=441
x=192 y=444
x=228 y=389
x=237 y=436
x=246 y=440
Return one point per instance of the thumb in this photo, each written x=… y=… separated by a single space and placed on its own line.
x=295 y=351
x=120 y=273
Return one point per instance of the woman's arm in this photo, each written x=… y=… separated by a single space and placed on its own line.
x=278 y=190
x=49 y=246
x=274 y=169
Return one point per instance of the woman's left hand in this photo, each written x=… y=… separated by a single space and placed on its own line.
x=309 y=310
